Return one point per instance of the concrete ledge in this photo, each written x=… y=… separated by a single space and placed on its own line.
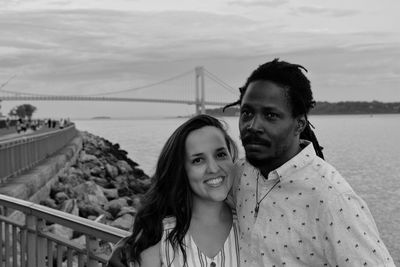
x=34 y=185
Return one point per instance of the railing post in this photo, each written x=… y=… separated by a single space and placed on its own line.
x=31 y=224
x=92 y=245
x=41 y=244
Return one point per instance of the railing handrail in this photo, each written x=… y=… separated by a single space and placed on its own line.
x=24 y=152
x=79 y=224
x=30 y=138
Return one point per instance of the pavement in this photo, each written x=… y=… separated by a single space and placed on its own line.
x=11 y=133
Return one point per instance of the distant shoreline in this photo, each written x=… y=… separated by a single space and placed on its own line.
x=327 y=108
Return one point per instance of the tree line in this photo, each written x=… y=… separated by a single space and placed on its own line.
x=328 y=108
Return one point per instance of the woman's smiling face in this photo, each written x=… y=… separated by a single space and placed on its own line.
x=208 y=164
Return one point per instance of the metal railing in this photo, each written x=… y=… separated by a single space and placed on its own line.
x=23 y=153
x=28 y=244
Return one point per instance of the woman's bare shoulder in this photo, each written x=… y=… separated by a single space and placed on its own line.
x=150 y=257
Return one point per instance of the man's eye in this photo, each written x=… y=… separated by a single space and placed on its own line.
x=271 y=115
x=245 y=113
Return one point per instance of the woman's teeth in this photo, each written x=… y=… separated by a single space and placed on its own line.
x=215 y=181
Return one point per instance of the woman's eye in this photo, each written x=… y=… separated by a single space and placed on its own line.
x=197 y=160
x=222 y=155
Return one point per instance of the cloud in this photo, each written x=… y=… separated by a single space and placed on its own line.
x=81 y=49
x=249 y=3
x=94 y=51
x=331 y=12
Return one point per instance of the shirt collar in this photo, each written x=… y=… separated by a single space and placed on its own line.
x=305 y=156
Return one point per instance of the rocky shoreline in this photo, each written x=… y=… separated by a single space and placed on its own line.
x=103 y=185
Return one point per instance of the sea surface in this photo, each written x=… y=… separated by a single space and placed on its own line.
x=364 y=148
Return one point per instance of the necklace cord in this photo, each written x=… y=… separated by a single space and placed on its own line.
x=256 y=208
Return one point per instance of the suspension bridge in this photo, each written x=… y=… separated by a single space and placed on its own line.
x=185 y=88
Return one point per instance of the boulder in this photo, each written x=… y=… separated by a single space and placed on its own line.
x=111 y=193
x=70 y=206
x=114 y=206
x=128 y=209
x=112 y=171
x=49 y=202
x=124 y=222
x=124 y=167
x=60 y=197
x=98 y=171
x=85 y=158
x=60 y=230
x=91 y=193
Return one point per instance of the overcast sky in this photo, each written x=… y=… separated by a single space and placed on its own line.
x=350 y=48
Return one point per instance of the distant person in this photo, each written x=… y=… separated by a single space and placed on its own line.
x=184 y=220
x=7 y=123
x=61 y=123
x=19 y=125
x=295 y=209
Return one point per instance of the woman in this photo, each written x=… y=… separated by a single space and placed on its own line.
x=184 y=220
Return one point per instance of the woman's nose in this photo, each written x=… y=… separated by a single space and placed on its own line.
x=212 y=166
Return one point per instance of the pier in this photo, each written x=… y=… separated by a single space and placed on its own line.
x=24 y=236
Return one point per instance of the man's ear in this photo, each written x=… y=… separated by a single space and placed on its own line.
x=301 y=124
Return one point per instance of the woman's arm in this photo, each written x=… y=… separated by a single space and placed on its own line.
x=150 y=257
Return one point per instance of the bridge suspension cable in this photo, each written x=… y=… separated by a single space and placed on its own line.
x=5 y=83
x=101 y=94
x=224 y=85
x=145 y=86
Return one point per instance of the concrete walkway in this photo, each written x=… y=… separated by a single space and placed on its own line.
x=9 y=134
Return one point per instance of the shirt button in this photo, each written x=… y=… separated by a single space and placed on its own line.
x=212 y=264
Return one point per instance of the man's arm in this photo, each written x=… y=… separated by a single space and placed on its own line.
x=237 y=174
x=349 y=234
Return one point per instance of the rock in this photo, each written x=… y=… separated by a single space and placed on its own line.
x=81 y=240
x=139 y=186
x=139 y=174
x=111 y=193
x=49 y=202
x=129 y=209
x=91 y=193
x=87 y=210
x=98 y=171
x=75 y=171
x=124 y=167
x=55 y=188
x=101 y=181
x=70 y=206
x=60 y=230
x=60 y=197
x=114 y=206
x=85 y=158
x=72 y=179
x=112 y=171
x=124 y=222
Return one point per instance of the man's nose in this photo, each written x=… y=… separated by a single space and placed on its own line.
x=255 y=124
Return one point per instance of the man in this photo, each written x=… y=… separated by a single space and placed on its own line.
x=294 y=209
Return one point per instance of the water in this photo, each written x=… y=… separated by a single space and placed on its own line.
x=364 y=148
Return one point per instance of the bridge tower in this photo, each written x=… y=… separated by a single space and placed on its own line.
x=200 y=93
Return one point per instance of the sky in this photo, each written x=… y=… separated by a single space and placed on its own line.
x=351 y=49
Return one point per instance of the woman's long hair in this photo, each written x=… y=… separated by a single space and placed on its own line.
x=170 y=193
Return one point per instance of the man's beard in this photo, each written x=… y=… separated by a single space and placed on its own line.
x=250 y=138
x=257 y=162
